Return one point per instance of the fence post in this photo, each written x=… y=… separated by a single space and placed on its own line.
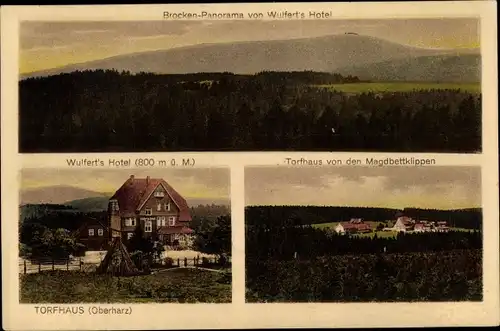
x=52 y=264
x=80 y=260
x=24 y=267
x=67 y=264
x=39 y=265
x=185 y=261
x=178 y=262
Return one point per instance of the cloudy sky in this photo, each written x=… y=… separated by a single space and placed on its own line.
x=392 y=187
x=46 y=45
x=191 y=183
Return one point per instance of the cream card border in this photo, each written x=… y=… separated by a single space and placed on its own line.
x=238 y=314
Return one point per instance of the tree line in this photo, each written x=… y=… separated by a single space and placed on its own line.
x=304 y=215
x=110 y=111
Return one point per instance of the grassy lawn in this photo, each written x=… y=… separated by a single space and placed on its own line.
x=401 y=87
x=183 y=285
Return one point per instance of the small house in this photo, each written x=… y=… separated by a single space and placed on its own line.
x=355 y=225
x=93 y=234
x=403 y=224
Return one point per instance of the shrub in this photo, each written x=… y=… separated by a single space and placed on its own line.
x=169 y=262
x=205 y=262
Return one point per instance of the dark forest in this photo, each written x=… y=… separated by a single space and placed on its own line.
x=109 y=111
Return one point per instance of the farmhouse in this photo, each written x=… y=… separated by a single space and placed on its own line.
x=153 y=205
x=403 y=224
x=355 y=225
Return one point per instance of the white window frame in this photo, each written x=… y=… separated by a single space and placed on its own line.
x=148 y=211
x=91 y=232
x=158 y=207
x=100 y=232
x=159 y=194
x=130 y=221
x=161 y=221
x=167 y=206
x=114 y=205
x=148 y=226
x=130 y=235
x=171 y=221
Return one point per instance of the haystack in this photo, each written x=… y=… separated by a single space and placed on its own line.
x=117 y=261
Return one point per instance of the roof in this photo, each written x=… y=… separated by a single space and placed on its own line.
x=134 y=193
x=175 y=229
x=88 y=221
x=405 y=219
x=357 y=226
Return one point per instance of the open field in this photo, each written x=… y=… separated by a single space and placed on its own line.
x=183 y=285
x=380 y=87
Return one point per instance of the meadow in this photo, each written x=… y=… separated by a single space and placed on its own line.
x=182 y=285
x=382 y=87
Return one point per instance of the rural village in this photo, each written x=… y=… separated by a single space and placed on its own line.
x=401 y=224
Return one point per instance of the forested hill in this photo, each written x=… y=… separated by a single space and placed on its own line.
x=108 y=111
x=293 y=215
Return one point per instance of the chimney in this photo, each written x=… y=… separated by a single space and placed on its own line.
x=131 y=179
x=147 y=180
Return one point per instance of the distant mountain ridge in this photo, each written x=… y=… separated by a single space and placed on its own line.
x=57 y=194
x=327 y=54
x=87 y=200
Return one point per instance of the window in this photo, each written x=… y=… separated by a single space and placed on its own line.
x=100 y=232
x=114 y=205
x=129 y=235
x=171 y=220
x=148 y=211
x=161 y=221
x=91 y=232
x=167 y=206
x=130 y=221
x=148 y=226
x=159 y=194
x=158 y=207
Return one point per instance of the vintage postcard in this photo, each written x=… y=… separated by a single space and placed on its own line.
x=271 y=165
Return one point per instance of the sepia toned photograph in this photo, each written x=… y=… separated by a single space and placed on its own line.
x=393 y=85
x=129 y=236
x=363 y=234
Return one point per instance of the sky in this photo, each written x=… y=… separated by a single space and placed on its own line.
x=190 y=183
x=47 y=45
x=388 y=187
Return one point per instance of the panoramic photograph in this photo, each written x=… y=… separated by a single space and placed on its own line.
x=101 y=236
x=393 y=85
x=363 y=234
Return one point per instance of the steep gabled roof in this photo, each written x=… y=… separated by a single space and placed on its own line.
x=134 y=193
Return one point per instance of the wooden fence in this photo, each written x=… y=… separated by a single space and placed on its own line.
x=34 y=266
x=78 y=264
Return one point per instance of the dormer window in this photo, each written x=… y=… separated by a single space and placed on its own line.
x=159 y=194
